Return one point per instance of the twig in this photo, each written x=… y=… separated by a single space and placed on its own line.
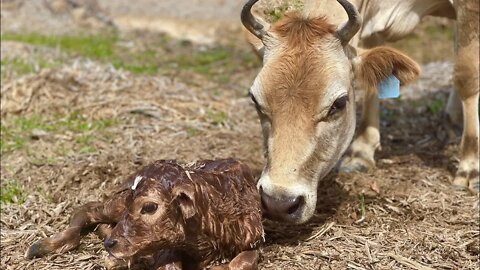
x=321 y=232
x=407 y=262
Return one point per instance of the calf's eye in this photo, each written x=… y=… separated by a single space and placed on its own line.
x=338 y=105
x=149 y=208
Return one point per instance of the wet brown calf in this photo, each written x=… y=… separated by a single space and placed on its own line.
x=170 y=217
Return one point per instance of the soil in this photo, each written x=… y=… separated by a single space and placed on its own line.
x=404 y=214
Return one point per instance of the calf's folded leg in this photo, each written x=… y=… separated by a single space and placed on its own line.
x=84 y=218
x=246 y=260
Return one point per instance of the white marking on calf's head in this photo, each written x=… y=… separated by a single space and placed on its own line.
x=136 y=181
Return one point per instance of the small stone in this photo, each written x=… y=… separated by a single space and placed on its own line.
x=37 y=134
x=386 y=161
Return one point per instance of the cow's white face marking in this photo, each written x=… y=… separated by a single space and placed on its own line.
x=136 y=182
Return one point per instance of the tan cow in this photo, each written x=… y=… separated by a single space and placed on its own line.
x=304 y=93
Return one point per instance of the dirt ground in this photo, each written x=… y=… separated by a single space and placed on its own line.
x=73 y=125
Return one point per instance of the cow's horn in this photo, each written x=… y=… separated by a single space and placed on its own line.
x=250 y=22
x=352 y=26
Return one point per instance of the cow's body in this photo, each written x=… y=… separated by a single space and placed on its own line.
x=391 y=20
x=383 y=20
x=299 y=149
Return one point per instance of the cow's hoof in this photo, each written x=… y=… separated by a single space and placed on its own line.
x=470 y=180
x=356 y=163
x=36 y=250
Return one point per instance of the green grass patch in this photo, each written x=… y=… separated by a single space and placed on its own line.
x=16 y=133
x=155 y=55
x=206 y=62
x=11 y=191
x=94 y=46
x=20 y=67
x=103 y=47
x=436 y=105
x=361 y=208
x=217 y=117
x=17 y=65
x=191 y=131
x=45 y=194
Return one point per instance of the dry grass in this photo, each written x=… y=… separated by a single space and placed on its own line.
x=73 y=131
x=413 y=218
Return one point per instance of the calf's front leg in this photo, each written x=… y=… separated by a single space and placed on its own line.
x=246 y=260
x=85 y=217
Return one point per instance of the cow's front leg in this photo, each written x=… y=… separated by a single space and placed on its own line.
x=360 y=156
x=468 y=170
x=466 y=85
x=246 y=260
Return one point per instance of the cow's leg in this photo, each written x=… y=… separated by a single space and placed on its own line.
x=360 y=156
x=454 y=108
x=467 y=87
x=84 y=218
x=246 y=260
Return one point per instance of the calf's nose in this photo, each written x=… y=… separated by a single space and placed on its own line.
x=109 y=243
x=281 y=206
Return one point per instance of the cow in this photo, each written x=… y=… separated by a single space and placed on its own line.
x=168 y=216
x=304 y=92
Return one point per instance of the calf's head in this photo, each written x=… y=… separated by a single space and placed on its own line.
x=155 y=216
x=304 y=96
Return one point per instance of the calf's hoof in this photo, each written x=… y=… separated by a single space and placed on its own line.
x=37 y=250
x=470 y=180
x=112 y=263
x=357 y=162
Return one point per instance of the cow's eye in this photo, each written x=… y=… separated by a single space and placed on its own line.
x=149 y=208
x=254 y=100
x=338 y=105
x=258 y=106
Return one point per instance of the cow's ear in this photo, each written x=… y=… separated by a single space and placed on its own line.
x=375 y=65
x=185 y=199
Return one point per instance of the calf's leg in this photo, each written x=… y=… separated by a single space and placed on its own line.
x=85 y=217
x=246 y=260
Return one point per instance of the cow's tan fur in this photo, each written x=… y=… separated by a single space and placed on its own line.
x=390 y=20
x=302 y=73
x=305 y=70
x=466 y=86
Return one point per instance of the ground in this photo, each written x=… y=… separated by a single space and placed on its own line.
x=83 y=108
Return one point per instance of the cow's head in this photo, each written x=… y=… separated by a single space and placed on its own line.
x=304 y=95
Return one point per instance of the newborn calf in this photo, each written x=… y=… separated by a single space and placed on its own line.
x=171 y=216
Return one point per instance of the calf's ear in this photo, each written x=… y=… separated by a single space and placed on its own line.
x=375 y=65
x=184 y=198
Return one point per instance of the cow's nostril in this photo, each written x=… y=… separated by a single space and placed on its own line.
x=296 y=204
x=280 y=206
x=109 y=243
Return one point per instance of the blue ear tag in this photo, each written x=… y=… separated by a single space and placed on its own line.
x=389 y=88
